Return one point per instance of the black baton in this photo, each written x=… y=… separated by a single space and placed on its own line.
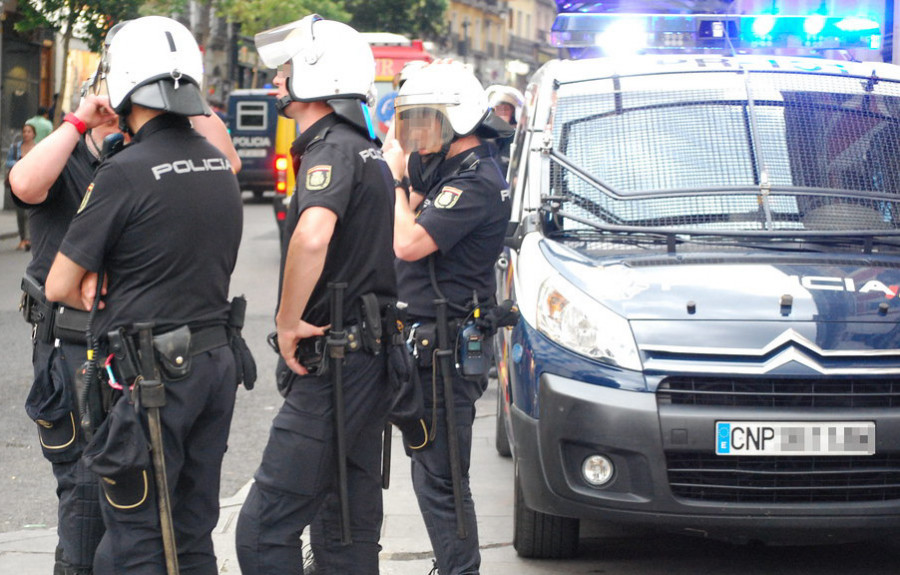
x=444 y=353
x=337 y=344
x=386 y=457
x=153 y=396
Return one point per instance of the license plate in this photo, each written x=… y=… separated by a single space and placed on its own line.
x=795 y=438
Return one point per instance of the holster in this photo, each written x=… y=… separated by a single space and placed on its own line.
x=371 y=328
x=36 y=310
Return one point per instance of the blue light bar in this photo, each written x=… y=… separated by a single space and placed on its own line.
x=667 y=32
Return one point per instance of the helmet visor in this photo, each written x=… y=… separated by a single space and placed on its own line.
x=423 y=129
x=278 y=45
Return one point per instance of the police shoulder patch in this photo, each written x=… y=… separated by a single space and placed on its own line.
x=87 y=196
x=447 y=197
x=318 y=177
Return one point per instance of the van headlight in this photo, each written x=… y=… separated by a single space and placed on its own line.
x=572 y=319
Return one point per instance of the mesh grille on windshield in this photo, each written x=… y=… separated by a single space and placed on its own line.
x=730 y=151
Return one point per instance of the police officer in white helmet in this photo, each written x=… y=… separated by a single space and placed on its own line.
x=450 y=221
x=338 y=232
x=162 y=223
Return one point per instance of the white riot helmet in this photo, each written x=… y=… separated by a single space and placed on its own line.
x=439 y=103
x=407 y=71
x=155 y=62
x=321 y=59
x=500 y=94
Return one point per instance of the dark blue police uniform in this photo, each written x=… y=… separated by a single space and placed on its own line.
x=163 y=218
x=465 y=211
x=80 y=526
x=339 y=169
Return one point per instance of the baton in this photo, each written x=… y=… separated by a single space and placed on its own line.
x=386 y=457
x=444 y=351
x=153 y=396
x=337 y=343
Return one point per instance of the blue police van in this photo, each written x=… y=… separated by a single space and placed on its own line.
x=706 y=256
x=252 y=120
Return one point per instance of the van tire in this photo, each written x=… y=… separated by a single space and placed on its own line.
x=501 y=437
x=539 y=535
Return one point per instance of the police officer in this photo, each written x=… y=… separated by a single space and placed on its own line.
x=50 y=183
x=448 y=232
x=338 y=230
x=506 y=103
x=163 y=220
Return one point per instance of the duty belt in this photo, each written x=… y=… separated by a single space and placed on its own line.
x=50 y=320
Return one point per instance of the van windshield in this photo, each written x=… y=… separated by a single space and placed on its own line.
x=730 y=150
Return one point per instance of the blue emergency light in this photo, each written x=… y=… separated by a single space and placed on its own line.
x=614 y=33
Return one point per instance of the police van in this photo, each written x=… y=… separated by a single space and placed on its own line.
x=706 y=256
x=262 y=139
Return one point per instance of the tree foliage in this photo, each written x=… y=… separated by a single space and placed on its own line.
x=84 y=19
x=253 y=15
x=414 y=18
x=88 y=20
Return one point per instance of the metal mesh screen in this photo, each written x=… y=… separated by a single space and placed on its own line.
x=709 y=145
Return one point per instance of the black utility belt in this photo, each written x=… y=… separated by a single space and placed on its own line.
x=311 y=351
x=52 y=321
x=173 y=350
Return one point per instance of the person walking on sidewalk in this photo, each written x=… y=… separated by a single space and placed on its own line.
x=338 y=231
x=17 y=151
x=167 y=239
x=448 y=231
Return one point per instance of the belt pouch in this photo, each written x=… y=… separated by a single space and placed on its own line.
x=371 y=324
x=425 y=342
x=173 y=352
x=70 y=324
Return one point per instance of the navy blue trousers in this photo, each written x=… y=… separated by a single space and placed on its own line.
x=296 y=482
x=195 y=424
x=80 y=526
x=432 y=478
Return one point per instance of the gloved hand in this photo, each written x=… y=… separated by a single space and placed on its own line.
x=506 y=314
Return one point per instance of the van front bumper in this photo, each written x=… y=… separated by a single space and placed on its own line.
x=647 y=442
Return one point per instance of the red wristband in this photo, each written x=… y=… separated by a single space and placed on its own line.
x=75 y=121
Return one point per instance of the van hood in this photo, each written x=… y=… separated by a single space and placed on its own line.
x=745 y=300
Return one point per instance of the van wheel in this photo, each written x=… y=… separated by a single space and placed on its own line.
x=542 y=536
x=501 y=437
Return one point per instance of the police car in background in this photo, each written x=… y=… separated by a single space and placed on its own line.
x=706 y=258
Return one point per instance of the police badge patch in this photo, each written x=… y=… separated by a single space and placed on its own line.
x=318 y=177
x=447 y=198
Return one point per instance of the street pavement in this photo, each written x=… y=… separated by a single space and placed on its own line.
x=406 y=549
x=405 y=546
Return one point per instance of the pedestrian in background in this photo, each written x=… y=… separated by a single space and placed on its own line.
x=42 y=123
x=17 y=151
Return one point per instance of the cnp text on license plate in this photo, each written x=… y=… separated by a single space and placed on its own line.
x=795 y=438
